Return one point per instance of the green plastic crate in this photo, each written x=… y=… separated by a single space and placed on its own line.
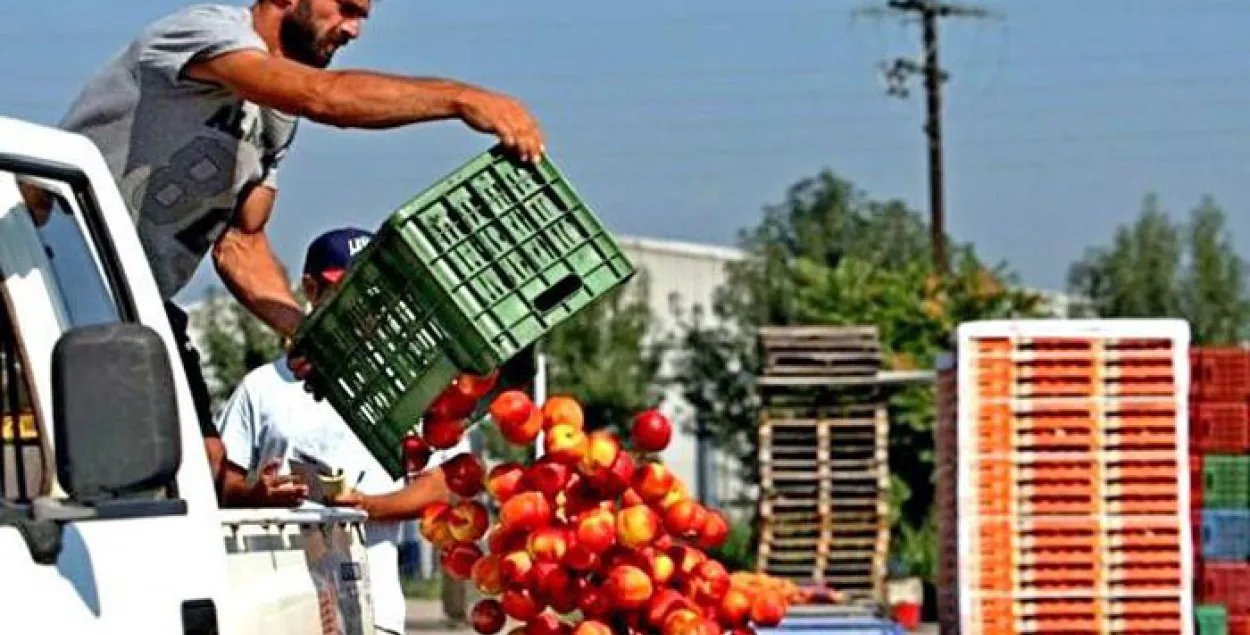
x=506 y=251
x=1211 y=619
x=462 y=278
x=378 y=352
x=1225 y=482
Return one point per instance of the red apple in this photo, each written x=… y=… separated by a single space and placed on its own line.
x=714 y=532
x=710 y=582
x=525 y=512
x=636 y=526
x=450 y=405
x=474 y=387
x=735 y=608
x=464 y=474
x=468 y=521
x=562 y=410
x=661 y=604
x=565 y=443
x=517 y=569
x=416 y=453
x=521 y=605
x=579 y=558
x=653 y=482
x=596 y=530
x=683 y=621
x=487 y=617
x=593 y=601
x=545 y=624
x=768 y=609
x=548 y=544
x=518 y=420
x=548 y=476
x=685 y=519
x=592 y=627
x=505 y=481
x=652 y=431
x=459 y=560
x=443 y=434
x=601 y=451
x=628 y=587
x=613 y=481
x=486 y=575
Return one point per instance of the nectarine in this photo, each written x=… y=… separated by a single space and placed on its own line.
x=443 y=434
x=596 y=530
x=652 y=431
x=562 y=410
x=505 y=481
x=487 y=617
x=459 y=560
x=468 y=521
x=486 y=575
x=565 y=443
x=525 y=512
x=521 y=605
x=636 y=526
x=628 y=587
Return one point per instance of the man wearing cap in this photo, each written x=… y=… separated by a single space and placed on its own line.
x=271 y=403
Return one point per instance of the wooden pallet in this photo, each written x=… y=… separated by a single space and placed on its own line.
x=820 y=351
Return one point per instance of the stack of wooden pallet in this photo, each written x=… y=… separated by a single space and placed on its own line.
x=823 y=459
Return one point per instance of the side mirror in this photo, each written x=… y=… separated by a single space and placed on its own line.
x=115 y=414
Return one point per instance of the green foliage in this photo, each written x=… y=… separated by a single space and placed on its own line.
x=1157 y=268
x=830 y=255
x=607 y=358
x=233 y=342
x=738 y=552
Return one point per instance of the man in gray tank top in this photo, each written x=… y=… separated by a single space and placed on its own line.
x=195 y=116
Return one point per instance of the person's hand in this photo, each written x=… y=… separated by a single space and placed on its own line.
x=347 y=498
x=505 y=118
x=274 y=490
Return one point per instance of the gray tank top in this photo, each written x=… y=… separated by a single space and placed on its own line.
x=182 y=152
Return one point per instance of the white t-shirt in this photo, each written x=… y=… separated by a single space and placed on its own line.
x=271 y=401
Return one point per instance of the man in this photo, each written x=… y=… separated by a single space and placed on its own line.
x=196 y=114
x=271 y=403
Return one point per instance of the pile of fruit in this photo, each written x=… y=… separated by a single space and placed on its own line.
x=596 y=537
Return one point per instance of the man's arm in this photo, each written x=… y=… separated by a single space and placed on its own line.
x=429 y=487
x=366 y=99
x=250 y=270
x=270 y=490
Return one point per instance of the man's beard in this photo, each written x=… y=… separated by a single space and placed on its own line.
x=299 y=38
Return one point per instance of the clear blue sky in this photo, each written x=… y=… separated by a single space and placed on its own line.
x=681 y=120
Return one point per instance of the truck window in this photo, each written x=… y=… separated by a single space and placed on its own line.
x=23 y=472
x=76 y=279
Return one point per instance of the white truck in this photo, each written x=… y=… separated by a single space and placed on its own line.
x=108 y=519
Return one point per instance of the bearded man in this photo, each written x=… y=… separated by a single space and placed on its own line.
x=195 y=115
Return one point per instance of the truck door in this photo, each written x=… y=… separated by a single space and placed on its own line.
x=62 y=266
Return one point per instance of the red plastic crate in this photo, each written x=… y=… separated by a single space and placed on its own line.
x=1219 y=373
x=1228 y=584
x=1239 y=624
x=1219 y=427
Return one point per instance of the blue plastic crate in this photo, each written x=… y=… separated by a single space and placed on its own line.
x=1226 y=534
x=816 y=625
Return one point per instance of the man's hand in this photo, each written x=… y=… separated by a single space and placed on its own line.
x=505 y=118
x=273 y=490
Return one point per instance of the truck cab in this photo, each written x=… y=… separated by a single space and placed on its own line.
x=108 y=518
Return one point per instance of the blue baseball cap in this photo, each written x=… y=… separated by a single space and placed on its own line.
x=331 y=253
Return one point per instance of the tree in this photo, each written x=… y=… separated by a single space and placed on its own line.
x=1156 y=268
x=232 y=342
x=830 y=255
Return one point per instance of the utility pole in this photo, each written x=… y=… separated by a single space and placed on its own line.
x=897 y=72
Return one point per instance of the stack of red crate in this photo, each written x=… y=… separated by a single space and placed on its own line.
x=1220 y=504
x=1071 y=505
